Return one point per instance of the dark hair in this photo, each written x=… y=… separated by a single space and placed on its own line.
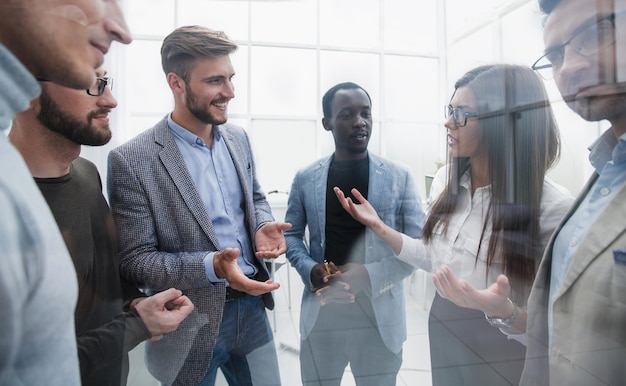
x=185 y=44
x=327 y=99
x=547 y=6
x=520 y=139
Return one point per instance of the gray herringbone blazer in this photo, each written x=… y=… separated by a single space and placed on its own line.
x=164 y=234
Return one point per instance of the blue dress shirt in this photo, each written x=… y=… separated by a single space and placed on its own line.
x=216 y=180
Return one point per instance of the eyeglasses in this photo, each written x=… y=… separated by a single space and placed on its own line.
x=458 y=114
x=586 y=42
x=97 y=89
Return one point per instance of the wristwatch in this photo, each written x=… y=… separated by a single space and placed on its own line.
x=504 y=323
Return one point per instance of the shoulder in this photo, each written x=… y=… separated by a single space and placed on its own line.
x=150 y=137
x=314 y=166
x=555 y=198
x=232 y=132
x=554 y=193
x=84 y=165
x=85 y=170
x=231 y=128
x=392 y=165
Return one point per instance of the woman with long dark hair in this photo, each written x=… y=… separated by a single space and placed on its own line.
x=491 y=212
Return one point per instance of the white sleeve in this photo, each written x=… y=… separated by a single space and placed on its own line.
x=414 y=252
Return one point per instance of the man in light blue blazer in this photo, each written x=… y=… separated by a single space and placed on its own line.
x=353 y=309
x=190 y=214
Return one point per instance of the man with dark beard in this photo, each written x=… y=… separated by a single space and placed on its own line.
x=49 y=136
x=190 y=213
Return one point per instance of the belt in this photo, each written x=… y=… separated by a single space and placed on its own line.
x=233 y=294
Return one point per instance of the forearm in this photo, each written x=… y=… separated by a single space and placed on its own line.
x=109 y=343
x=389 y=235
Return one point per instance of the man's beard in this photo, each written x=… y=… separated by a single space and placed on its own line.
x=81 y=132
x=200 y=109
x=598 y=108
x=607 y=104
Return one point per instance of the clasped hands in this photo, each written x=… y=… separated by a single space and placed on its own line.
x=341 y=285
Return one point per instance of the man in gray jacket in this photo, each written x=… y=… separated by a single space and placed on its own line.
x=190 y=214
x=577 y=307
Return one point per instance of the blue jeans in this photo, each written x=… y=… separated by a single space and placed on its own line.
x=245 y=349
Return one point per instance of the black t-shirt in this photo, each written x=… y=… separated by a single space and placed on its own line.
x=104 y=331
x=345 y=237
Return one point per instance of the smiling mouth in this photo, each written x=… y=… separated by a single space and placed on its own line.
x=452 y=140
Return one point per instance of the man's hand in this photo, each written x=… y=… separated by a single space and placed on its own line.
x=336 y=292
x=318 y=276
x=163 y=312
x=355 y=275
x=270 y=241
x=225 y=266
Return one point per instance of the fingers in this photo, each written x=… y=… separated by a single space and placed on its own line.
x=269 y=254
x=253 y=287
x=359 y=197
x=342 y=198
x=338 y=292
x=283 y=226
x=167 y=295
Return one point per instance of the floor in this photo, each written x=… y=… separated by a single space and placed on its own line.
x=285 y=318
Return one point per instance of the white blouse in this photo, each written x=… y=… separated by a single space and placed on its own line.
x=457 y=248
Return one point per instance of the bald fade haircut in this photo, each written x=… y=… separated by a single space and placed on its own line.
x=185 y=44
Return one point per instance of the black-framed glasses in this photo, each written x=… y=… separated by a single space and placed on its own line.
x=586 y=42
x=458 y=114
x=97 y=89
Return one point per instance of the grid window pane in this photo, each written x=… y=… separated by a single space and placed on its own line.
x=410 y=26
x=350 y=23
x=212 y=14
x=283 y=81
x=411 y=86
x=284 y=21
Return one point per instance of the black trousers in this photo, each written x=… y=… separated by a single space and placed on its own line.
x=466 y=350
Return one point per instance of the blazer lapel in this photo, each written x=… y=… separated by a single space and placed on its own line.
x=319 y=184
x=608 y=226
x=175 y=165
x=376 y=184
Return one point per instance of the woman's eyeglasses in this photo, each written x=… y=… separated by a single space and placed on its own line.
x=458 y=114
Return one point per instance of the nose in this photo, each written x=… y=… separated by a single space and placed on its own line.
x=449 y=123
x=573 y=62
x=229 y=89
x=107 y=99
x=115 y=25
x=360 y=122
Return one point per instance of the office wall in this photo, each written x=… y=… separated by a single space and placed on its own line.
x=406 y=53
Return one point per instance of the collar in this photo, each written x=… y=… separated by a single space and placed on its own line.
x=188 y=136
x=602 y=148
x=619 y=152
x=18 y=87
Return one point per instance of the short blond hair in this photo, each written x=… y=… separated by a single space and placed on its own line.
x=185 y=44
